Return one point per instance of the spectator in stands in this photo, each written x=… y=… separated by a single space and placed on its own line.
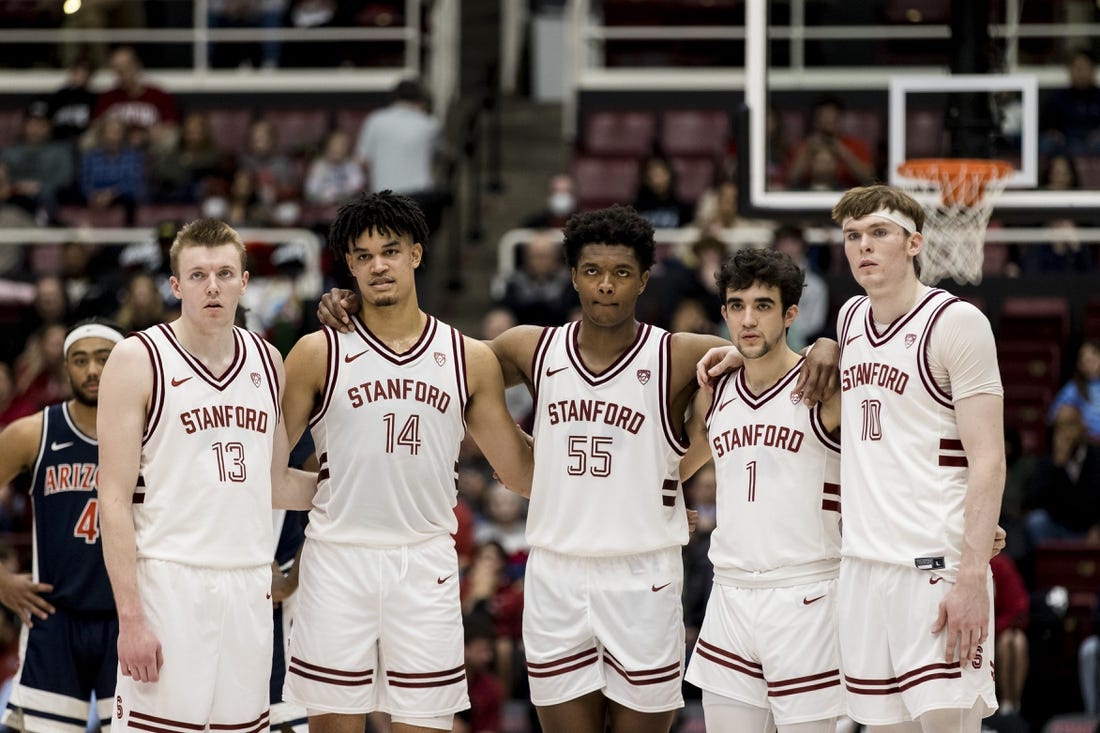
x=700 y=493
x=39 y=167
x=561 y=202
x=777 y=147
x=272 y=174
x=40 y=375
x=517 y=397
x=16 y=210
x=1066 y=254
x=813 y=306
x=850 y=163
x=49 y=306
x=1019 y=469
x=242 y=205
x=656 y=198
x=142 y=306
x=716 y=213
x=334 y=176
x=91 y=280
x=113 y=171
x=150 y=114
x=493 y=589
x=504 y=522
x=398 y=146
x=266 y=14
x=99 y=15
x=1070 y=117
x=1083 y=390
x=540 y=292
x=485 y=690
x=180 y=173
x=1064 y=495
x=70 y=107
x=1010 y=606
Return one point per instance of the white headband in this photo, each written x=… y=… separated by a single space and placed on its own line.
x=897 y=217
x=91 y=330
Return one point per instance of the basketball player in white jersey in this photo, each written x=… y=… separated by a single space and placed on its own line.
x=923 y=472
x=767 y=650
x=193 y=455
x=603 y=624
x=379 y=624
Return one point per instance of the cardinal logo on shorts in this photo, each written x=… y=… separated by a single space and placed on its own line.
x=440 y=358
x=255 y=378
x=644 y=375
x=910 y=338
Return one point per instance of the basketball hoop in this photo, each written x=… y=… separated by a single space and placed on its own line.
x=957 y=195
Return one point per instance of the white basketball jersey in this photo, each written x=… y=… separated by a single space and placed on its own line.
x=778 y=477
x=904 y=470
x=606 y=457
x=204 y=490
x=387 y=434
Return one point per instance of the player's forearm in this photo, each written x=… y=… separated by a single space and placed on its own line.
x=981 y=510
x=120 y=556
x=294 y=490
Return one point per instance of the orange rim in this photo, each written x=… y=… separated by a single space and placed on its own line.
x=961 y=180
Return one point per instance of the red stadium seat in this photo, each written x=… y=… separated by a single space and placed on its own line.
x=1092 y=319
x=863 y=124
x=1030 y=318
x=602 y=181
x=925 y=134
x=695 y=132
x=611 y=132
x=694 y=175
x=1029 y=363
x=299 y=131
x=1073 y=723
x=86 y=216
x=229 y=127
x=149 y=215
x=1088 y=171
x=351 y=121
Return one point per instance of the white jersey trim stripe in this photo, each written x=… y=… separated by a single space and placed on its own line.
x=161 y=725
x=557 y=667
x=200 y=369
x=876 y=339
x=642 y=676
x=426 y=679
x=389 y=354
x=819 y=429
x=664 y=378
x=330 y=675
x=253 y=726
x=757 y=401
x=809 y=683
x=573 y=351
x=156 y=396
x=924 y=368
x=719 y=393
x=538 y=359
x=332 y=354
x=849 y=316
x=269 y=369
x=726 y=658
x=459 y=356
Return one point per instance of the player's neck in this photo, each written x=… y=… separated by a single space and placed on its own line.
x=398 y=326
x=600 y=346
x=762 y=374
x=891 y=301
x=214 y=346
x=83 y=417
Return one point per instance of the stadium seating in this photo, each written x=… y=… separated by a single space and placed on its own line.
x=299 y=131
x=1031 y=318
x=350 y=121
x=614 y=132
x=602 y=181
x=149 y=215
x=694 y=132
x=1030 y=363
x=86 y=216
x=11 y=126
x=1092 y=319
x=228 y=127
x=694 y=175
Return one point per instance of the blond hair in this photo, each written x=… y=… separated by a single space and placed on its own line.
x=859 y=202
x=204 y=233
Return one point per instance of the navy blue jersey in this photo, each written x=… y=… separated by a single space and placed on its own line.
x=67 y=552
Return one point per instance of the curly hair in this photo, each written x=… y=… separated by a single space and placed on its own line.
x=386 y=213
x=614 y=225
x=766 y=267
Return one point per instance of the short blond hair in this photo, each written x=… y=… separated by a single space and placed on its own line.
x=859 y=202
x=204 y=233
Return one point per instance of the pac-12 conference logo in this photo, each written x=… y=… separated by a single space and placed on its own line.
x=644 y=375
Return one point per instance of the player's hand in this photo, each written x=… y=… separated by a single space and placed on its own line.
x=819 y=377
x=693 y=520
x=281 y=587
x=714 y=364
x=964 y=614
x=999 y=540
x=24 y=597
x=335 y=308
x=139 y=653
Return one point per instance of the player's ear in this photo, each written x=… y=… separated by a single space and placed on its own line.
x=645 y=280
x=417 y=254
x=790 y=315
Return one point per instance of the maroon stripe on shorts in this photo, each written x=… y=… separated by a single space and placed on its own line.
x=436 y=683
x=556 y=662
x=421 y=675
x=165 y=721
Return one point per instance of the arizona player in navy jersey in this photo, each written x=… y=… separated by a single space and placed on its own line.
x=70 y=628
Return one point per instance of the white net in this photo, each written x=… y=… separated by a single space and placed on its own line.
x=957 y=196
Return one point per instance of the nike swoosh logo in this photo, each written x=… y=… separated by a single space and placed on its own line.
x=934 y=579
x=441 y=581
x=349 y=358
x=723 y=405
x=552 y=372
x=178 y=382
x=853 y=338
x=59 y=446
x=656 y=588
x=808 y=601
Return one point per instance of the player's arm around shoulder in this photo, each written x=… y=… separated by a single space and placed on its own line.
x=125 y=393
x=698 y=452
x=515 y=350
x=290 y=488
x=688 y=349
x=491 y=425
